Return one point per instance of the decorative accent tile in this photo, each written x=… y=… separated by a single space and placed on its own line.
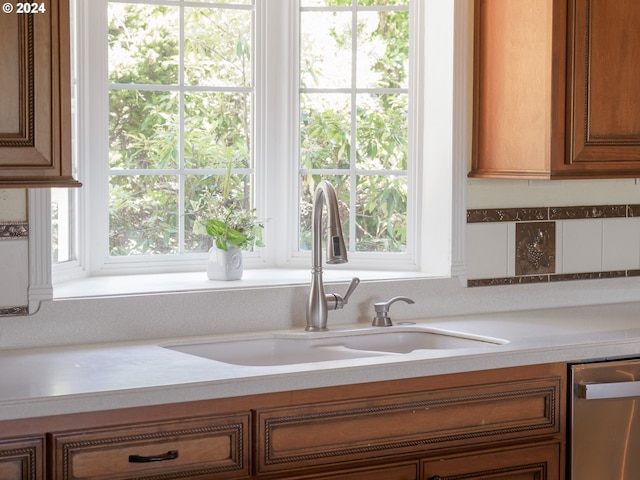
x=11 y=231
x=587 y=276
x=601 y=211
x=507 y=215
x=535 y=248
x=633 y=210
x=12 y=311
x=14 y=272
x=492 y=282
x=596 y=242
x=562 y=277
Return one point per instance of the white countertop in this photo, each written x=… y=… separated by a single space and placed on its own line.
x=50 y=381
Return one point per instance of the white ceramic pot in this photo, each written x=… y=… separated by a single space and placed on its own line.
x=224 y=265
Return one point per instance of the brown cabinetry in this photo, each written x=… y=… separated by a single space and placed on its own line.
x=531 y=463
x=22 y=459
x=416 y=423
x=35 y=119
x=212 y=448
x=555 y=89
x=404 y=471
x=431 y=421
x=503 y=423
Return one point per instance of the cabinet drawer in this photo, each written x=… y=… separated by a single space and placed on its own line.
x=22 y=459
x=531 y=463
x=404 y=471
x=317 y=434
x=210 y=447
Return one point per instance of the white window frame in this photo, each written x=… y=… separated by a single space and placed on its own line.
x=440 y=214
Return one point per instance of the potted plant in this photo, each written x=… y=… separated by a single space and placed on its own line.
x=234 y=228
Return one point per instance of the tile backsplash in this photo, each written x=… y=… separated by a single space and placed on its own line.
x=504 y=246
x=545 y=244
x=14 y=268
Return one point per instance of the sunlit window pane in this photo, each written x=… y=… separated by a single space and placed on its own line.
x=143 y=218
x=204 y=196
x=354 y=114
x=63 y=232
x=381 y=216
x=383 y=49
x=143 y=43
x=382 y=132
x=325 y=138
x=180 y=118
x=143 y=129
x=325 y=50
x=217 y=129
x=217 y=47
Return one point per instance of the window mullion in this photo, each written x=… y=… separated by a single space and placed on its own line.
x=181 y=162
x=354 y=111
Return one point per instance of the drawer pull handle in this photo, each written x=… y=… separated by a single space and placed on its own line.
x=170 y=455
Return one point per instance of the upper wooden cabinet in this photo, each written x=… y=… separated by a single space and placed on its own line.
x=35 y=119
x=555 y=89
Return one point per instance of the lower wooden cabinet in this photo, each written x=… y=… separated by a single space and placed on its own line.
x=503 y=424
x=403 y=471
x=212 y=448
x=22 y=459
x=417 y=423
x=531 y=463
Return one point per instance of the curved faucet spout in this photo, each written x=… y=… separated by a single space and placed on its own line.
x=318 y=306
x=336 y=251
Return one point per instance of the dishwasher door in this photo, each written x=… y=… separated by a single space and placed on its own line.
x=605 y=421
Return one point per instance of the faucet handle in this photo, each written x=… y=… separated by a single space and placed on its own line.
x=382 y=318
x=336 y=301
x=355 y=281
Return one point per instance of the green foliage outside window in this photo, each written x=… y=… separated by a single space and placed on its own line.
x=163 y=173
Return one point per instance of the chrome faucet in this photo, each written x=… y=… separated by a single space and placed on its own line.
x=320 y=303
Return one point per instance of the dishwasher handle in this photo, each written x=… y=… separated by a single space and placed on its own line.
x=603 y=391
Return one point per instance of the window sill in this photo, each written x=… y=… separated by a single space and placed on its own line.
x=123 y=285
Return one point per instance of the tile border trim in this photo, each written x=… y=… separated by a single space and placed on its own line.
x=14 y=230
x=13 y=311
x=486 y=215
x=538 y=214
x=560 y=277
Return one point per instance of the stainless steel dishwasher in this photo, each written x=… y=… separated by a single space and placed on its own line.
x=605 y=421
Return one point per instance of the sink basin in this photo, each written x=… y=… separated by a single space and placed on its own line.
x=272 y=351
x=308 y=348
x=408 y=341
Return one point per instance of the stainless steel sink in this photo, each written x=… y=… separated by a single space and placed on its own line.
x=309 y=348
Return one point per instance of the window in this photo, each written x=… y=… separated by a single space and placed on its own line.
x=354 y=115
x=161 y=123
x=181 y=102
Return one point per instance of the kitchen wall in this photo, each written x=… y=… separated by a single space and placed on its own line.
x=541 y=231
x=490 y=243
x=14 y=252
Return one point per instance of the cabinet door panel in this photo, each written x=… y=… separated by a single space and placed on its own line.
x=22 y=459
x=208 y=447
x=606 y=102
x=533 y=463
x=35 y=92
x=312 y=435
x=406 y=471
